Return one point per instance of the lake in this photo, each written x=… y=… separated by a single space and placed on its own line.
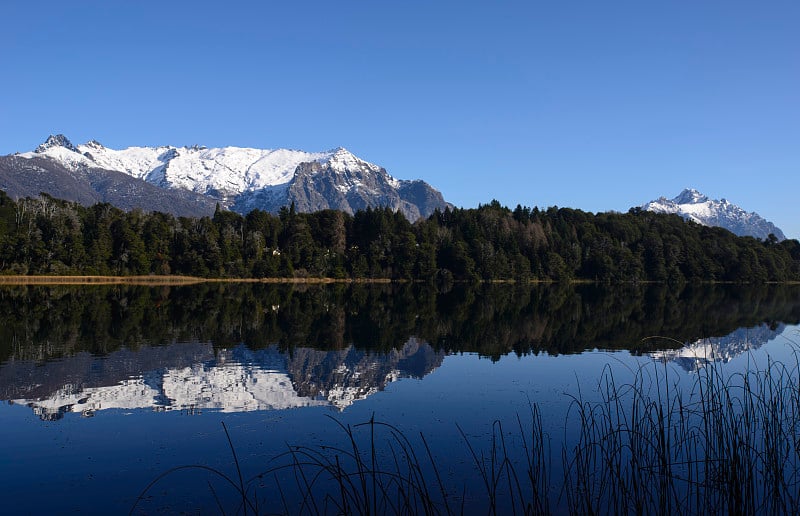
x=105 y=388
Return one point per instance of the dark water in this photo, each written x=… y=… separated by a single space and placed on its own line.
x=105 y=388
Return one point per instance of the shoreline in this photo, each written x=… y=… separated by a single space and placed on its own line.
x=165 y=280
x=155 y=281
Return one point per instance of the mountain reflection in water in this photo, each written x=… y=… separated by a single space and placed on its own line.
x=262 y=347
x=194 y=377
x=693 y=356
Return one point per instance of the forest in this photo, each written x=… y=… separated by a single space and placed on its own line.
x=48 y=236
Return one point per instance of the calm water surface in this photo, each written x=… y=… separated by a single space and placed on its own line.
x=105 y=388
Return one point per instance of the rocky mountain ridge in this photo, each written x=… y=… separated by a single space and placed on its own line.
x=241 y=179
x=693 y=205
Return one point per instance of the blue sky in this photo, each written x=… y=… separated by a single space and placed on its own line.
x=594 y=105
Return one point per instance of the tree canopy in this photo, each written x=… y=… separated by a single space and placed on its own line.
x=492 y=242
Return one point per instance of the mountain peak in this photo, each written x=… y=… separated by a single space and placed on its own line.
x=693 y=205
x=690 y=196
x=58 y=140
x=340 y=154
x=341 y=160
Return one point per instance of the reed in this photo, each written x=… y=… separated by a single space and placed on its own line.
x=727 y=443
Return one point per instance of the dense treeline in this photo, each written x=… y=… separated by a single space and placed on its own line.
x=50 y=236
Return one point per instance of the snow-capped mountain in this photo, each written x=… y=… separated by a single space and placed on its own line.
x=244 y=179
x=693 y=205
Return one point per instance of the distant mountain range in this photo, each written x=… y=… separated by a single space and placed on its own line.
x=693 y=205
x=190 y=181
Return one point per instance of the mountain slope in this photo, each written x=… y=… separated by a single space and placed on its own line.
x=344 y=182
x=693 y=205
x=28 y=177
x=244 y=179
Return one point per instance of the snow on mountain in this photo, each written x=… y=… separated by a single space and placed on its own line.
x=227 y=170
x=693 y=205
x=245 y=178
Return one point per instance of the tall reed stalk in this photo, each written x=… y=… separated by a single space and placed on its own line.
x=728 y=443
